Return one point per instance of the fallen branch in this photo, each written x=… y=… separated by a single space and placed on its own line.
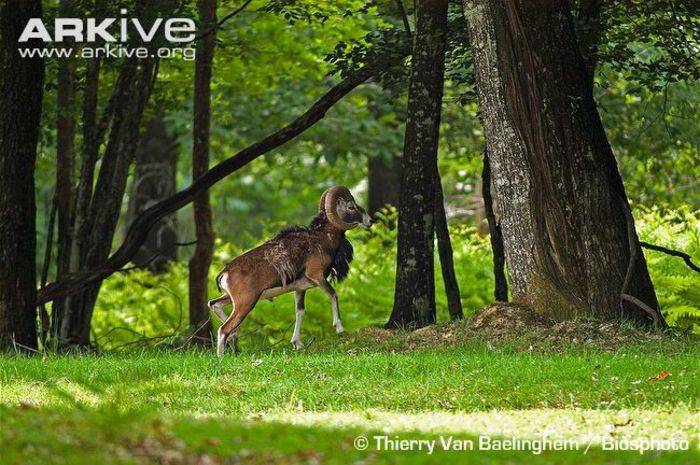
x=140 y=227
x=675 y=253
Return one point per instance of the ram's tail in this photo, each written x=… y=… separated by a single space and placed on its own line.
x=218 y=281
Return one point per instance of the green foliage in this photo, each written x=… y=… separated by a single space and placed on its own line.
x=676 y=285
x=653 y=42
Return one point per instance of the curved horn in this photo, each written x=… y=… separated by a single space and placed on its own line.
x=322 y=203
x=329 y=201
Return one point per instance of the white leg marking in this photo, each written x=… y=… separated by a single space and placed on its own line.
x=221 y=343
x=296 y=337
x=336 y=314
x=299 y=306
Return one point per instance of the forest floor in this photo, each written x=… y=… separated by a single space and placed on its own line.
x=591 y=384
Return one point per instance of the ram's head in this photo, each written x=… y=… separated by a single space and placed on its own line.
x=342 y=210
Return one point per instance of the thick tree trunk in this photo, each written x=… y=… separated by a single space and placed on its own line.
x=414 y=297
x=154 y=180
x=500 y=288
x=21 y=90
x=442 y=232
x=562 y=205
x=201 y=260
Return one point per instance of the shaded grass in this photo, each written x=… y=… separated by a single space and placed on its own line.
x=97 y=436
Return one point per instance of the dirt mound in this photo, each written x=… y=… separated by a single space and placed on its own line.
x=604 y=334
x=517 y=326
x=506 y=321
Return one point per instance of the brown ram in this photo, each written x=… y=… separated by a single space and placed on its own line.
x=297 y=259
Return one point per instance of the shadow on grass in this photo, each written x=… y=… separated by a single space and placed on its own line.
x=99 y=436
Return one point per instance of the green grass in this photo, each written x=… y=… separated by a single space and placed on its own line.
x=274 y=406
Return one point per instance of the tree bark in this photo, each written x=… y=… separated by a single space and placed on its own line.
x=21 y=91
x=154 y=180
x=65 y=132
x=414 y=297
x=500 y=288
x=562 y=204
x=200 y=323
x=442 y=232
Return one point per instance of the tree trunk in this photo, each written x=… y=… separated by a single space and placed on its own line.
x=154 y=180
x=21 y=90
x=500 y=288
x=65 y=132
x=199 y=264
x=384 y=180
x=384 y=173
x=588 y=31
x=442 y=232
x=414 y=297
x=562 y=204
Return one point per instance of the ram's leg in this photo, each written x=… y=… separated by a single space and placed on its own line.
x=328 y=289
x=217 y=304
x=243 y=306
x=299 y=308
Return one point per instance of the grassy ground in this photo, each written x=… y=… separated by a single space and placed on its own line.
x=275 y=406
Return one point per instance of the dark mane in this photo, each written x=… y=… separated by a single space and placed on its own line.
x=316 y=224
x=340 y=267
x=318 y=221
x=289 y=231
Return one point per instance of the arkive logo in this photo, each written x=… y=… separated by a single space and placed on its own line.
x=90 y=30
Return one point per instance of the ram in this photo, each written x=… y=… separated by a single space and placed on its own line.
x=297 y=259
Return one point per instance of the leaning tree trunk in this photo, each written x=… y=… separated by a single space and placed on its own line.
x=414 y=297
x=201 y=260
x=567 y=228
x=447 y=266
x=21 y=90
x=500 y=288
